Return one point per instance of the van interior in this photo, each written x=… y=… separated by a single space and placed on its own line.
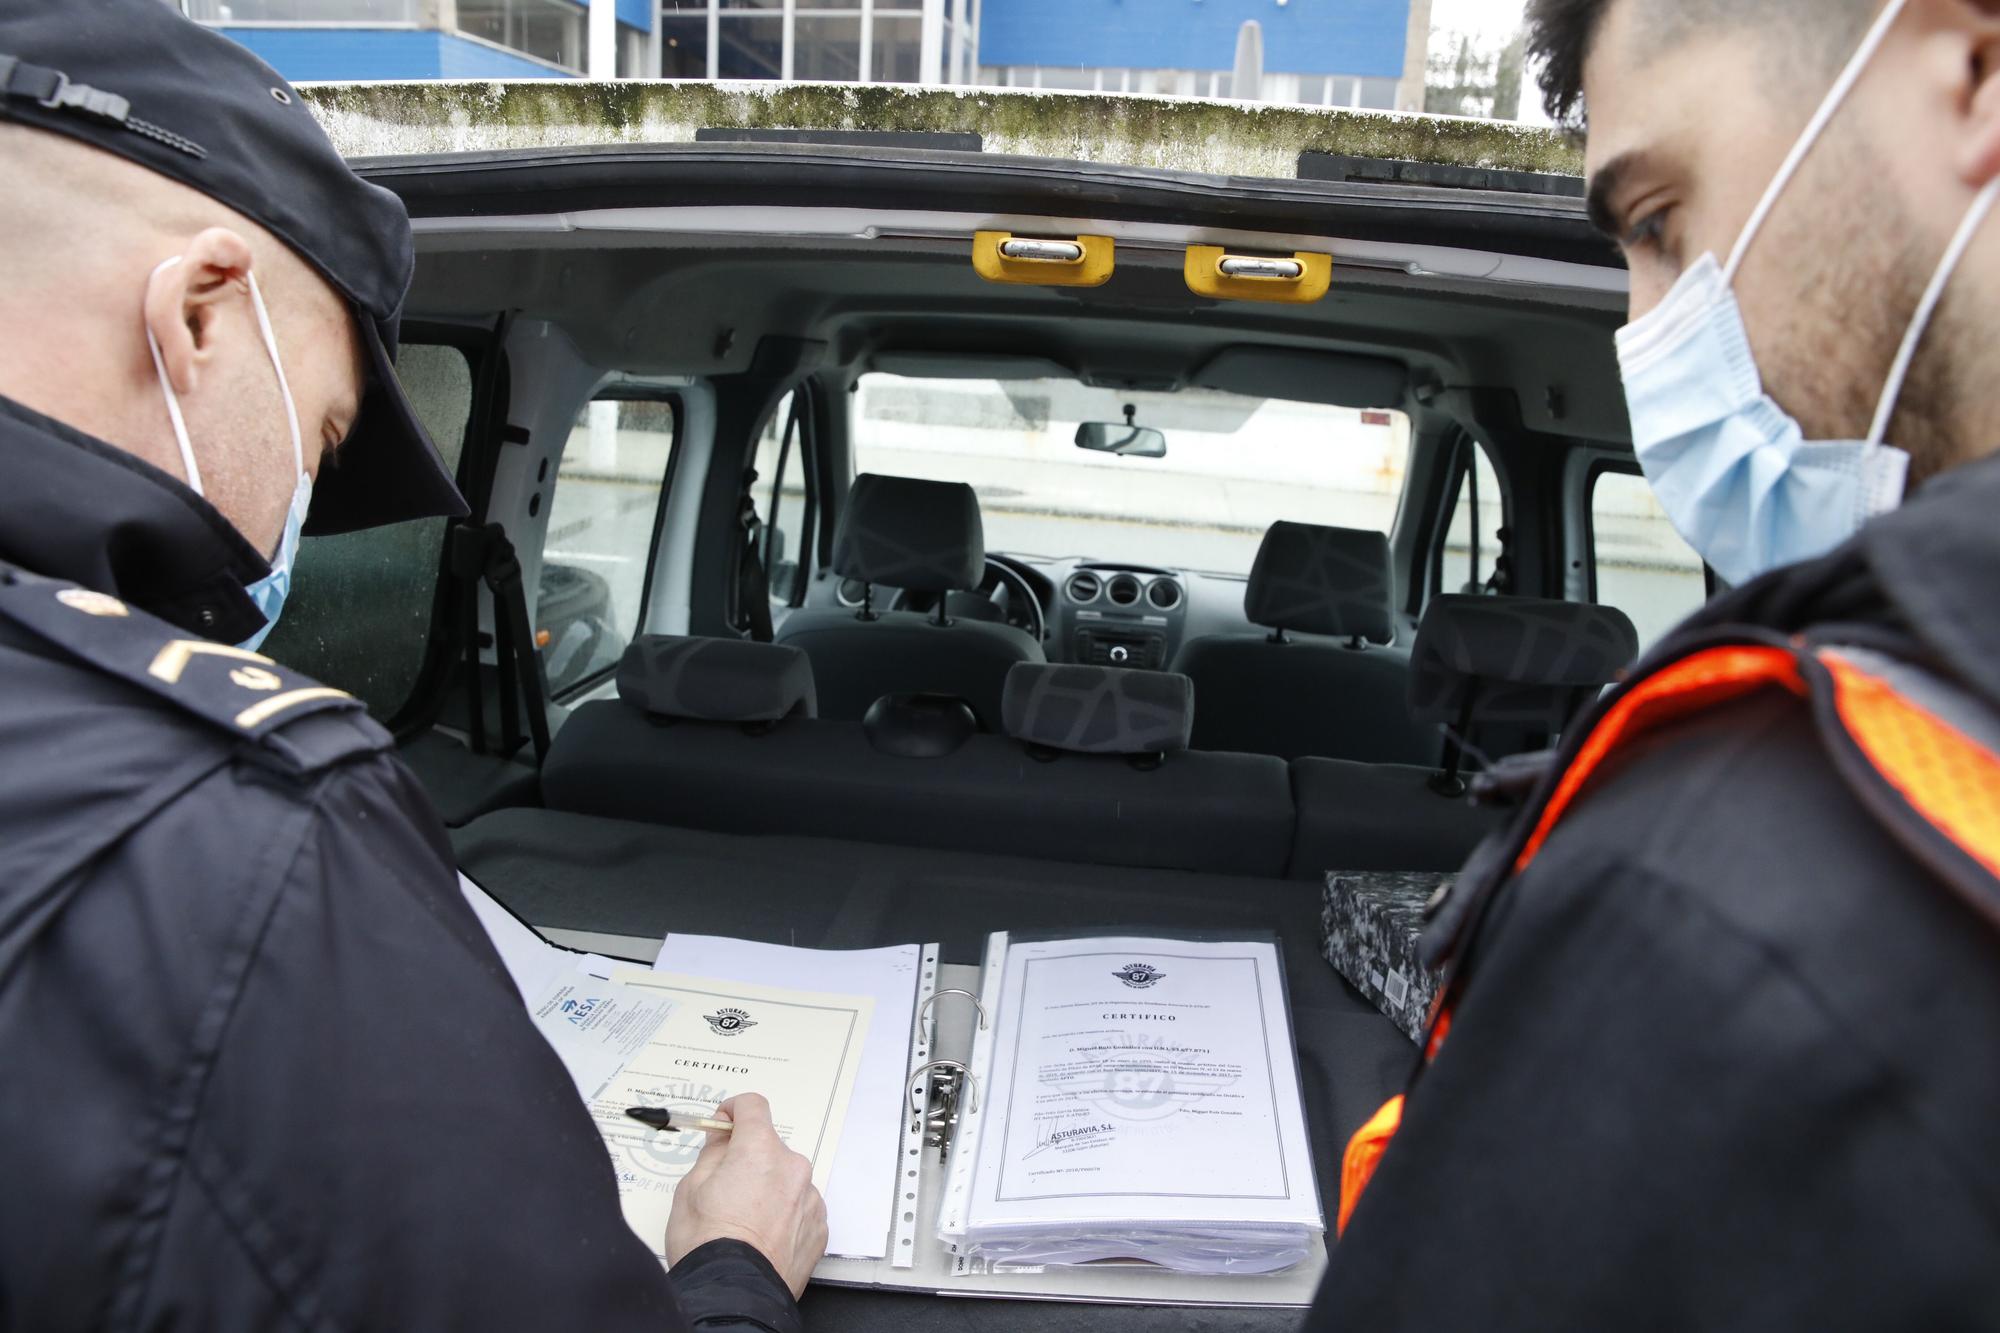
x=788 y=521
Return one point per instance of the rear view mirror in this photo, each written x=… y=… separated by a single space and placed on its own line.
x=1124 y=438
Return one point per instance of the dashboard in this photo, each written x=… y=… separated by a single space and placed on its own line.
x=1096 y=612
x=1114 y=613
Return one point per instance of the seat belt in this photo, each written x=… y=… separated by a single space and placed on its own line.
x=481 y=553
x=753 y=585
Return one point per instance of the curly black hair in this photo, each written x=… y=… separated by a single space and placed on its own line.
x=1562 y=32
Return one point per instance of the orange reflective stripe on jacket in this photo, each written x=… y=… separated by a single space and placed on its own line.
x=1364 y=1154
x=1949 y=779
x=1691 y=685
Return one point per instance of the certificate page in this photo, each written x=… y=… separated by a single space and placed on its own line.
x=861 y=1191
x=1147 y=1079
x=801 y=1050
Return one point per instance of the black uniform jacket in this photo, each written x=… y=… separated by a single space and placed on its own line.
x=1726 y=1055
x=259 y=1066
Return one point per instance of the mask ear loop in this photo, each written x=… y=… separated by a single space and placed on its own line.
x=1811 y=135
x=284 y=388
x=1899 y=373
x=173 y=399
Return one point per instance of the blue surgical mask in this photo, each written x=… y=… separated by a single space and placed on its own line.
x=269 y=592
x=1733 y=470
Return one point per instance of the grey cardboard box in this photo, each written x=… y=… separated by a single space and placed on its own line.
x=1369 y=929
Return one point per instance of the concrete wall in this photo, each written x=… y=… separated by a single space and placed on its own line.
x=1178 y=133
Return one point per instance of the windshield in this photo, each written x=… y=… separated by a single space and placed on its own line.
x=1234 y=466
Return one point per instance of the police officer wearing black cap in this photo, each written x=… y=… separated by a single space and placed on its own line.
x=261 y=1066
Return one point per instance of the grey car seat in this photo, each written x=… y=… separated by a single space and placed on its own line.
x=919 y=536
x=1342 y=696
x=1505 y=673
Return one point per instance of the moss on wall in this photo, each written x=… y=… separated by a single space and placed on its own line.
x=370 y=119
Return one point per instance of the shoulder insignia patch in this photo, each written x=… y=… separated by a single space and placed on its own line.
x=243 y=691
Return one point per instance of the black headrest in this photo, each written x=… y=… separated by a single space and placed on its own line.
x=716 y=680
x=1517 y=660
x=1321 y=580
x=1098 y=710
x=921 y=535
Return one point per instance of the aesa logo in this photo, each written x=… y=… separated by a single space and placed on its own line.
x=729 y=1022
x=1139 y=976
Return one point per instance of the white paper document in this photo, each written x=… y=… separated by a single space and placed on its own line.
x=861 y=1188
x=800 y=1049
x=1140 y=1100
x=594 y=1023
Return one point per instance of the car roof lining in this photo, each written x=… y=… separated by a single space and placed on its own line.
x=650 y=305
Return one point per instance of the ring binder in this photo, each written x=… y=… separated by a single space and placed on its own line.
x=932 y=998
x=940 y=1110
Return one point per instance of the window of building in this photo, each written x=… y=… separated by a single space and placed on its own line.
x=359 y=613
x=1638 y=562
x=1377 y=94
x=1068 y=78
x=305 y=11
x=549 y=30
x=896 y=47
x=1234 y=465
x=749 y=45
x=595 y=554
x=684 y=41
x=827 y=47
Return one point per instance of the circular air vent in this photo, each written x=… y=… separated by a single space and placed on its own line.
x=1083 y=587
x=850 y=592
x=1124 y=590
x=1164 y=594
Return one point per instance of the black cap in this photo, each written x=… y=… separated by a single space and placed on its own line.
x=135 y=78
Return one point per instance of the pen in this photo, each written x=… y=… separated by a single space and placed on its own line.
x=659 y=1117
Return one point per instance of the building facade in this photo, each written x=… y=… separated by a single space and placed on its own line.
x=866 y=41
x=429 y=39
x=1348 y=53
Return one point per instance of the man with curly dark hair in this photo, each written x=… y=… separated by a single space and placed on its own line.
x=1713 y=1048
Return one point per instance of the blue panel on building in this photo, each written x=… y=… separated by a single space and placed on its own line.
x=639 y=13
x=1354 y=37
x=383 y=53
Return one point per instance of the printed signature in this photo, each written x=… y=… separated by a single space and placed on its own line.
x=1070 y=1138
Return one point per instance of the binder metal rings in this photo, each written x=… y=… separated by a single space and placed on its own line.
x=935 y=996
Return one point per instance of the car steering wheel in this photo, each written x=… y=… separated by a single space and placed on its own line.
x=1005 y=577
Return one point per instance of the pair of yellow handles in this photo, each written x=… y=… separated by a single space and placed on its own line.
x=1086 y=261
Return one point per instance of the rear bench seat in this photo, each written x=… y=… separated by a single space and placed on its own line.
x=1502 y=673
x=720 y=735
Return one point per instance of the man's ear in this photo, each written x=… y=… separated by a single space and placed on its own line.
x=1979 y=160
x=184 y=299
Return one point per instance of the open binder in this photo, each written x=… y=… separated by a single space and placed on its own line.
x=950 y=1008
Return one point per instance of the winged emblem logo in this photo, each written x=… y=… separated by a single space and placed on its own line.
x=729 y=1022
x=1138 y=975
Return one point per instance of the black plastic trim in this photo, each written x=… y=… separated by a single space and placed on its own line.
x=948 y=140
x=803 y=175
x=1395 y=171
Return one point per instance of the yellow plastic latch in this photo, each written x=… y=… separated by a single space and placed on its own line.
x=1065 y=261
x=1213 y=271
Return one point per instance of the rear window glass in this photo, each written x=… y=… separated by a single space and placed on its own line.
x=1234 y=465
x=359 y=613
x=1640 y=564
x=601 y=520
